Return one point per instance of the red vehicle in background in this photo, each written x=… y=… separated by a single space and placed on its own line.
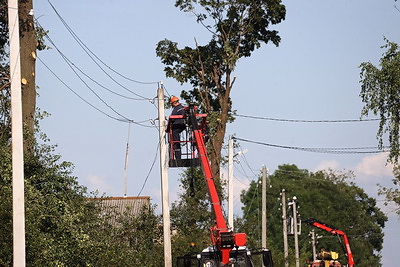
x=334 y=231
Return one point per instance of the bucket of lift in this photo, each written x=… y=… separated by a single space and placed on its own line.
x=187 y=142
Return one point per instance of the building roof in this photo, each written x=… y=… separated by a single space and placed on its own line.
x=122 y=205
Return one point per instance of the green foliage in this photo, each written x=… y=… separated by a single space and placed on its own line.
x=135 y=241
x=3 y=30
x=64 y=227
x=393 y=194
x=191 y=214
x=327 y=196
x=380 y=91
x=237 y=28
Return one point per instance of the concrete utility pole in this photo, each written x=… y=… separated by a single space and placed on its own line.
x=284 y=224
x=126 y=160
x=296 y=239
x=17 y=138
x=230 y=182
x=164 y=179
x=313 y=244
x=264 y=209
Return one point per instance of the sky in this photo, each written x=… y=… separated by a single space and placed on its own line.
x=312 y=76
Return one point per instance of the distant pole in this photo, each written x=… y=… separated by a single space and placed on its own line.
x=264 y=209
x=296 y=239
x=313 y=242
x=126 y=159
x=230 y=182
x=17 y=137
x=284 y=224
x=164 y=180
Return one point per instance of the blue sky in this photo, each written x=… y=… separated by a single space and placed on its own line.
x=312 y=75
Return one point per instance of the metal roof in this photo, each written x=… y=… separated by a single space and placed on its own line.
x=122 y=205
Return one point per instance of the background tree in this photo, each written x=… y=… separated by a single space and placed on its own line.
x=4 y=74
x=237 y=28
x=327 y=196
x=190 y=214
x=380 y=92
x=64 y=227
x=392 y=194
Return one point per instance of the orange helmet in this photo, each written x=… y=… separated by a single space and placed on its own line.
x=174 y=99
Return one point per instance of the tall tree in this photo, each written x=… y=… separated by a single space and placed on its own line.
x=237 y=28
x=380 y=92
x=4 y=74
x=28 y=69
x=28 y=43
x=392 y=194
x=327 y=196
x=191 y=214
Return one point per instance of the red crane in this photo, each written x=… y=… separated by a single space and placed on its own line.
x=194 y=153
x=337 y=232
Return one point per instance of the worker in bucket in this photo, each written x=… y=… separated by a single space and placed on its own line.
x=178 y=125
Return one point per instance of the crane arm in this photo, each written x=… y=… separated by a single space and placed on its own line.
x=222 y=236
x=334 y=231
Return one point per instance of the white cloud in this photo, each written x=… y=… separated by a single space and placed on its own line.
x=375 y=166
x=100 y=184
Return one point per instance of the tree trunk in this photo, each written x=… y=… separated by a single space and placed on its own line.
x=28 y=60
x=218 y=139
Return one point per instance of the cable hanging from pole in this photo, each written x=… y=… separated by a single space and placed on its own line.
x=88 y=51
x=305 y=121
x=342 y=150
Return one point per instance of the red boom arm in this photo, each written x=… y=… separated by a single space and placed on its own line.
x=221 y=236
x=334 y=231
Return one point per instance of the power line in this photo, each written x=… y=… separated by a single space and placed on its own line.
x=304 y=121
x=71 y=64
x=88 y=52
x=151 y=169
x=343 y=150
x=87 y=102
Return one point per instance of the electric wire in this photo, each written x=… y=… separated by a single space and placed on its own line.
x=93 y=80
x=343 y=150
x=72 y=65
x=255 y=193
x=305 y=121
x=151 y=169
x=89 y=51
x=163 y=86
x=140 y=123
x=248 y=164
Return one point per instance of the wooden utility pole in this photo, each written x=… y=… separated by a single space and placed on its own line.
x=230 y=182
x=17 y=138
x=164 y=179
x=264 y=209
x=284 y=224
